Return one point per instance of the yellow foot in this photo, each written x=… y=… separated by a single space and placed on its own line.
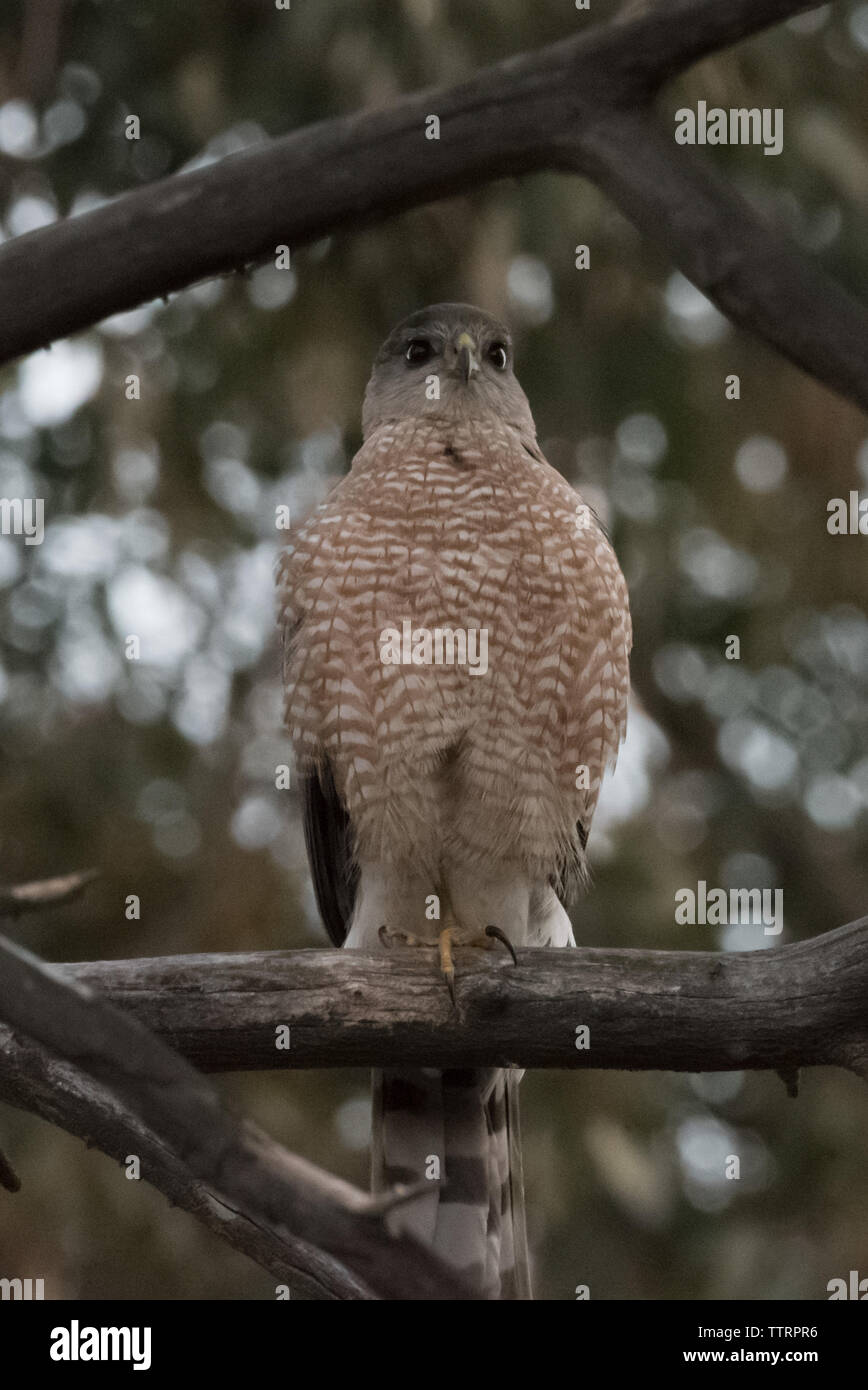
x=389 y=936
x=446 y=965
x=448 y=937
x=451 y=936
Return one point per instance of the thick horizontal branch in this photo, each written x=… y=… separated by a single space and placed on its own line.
x=795 y=1006
x=293 y=1201
x=580 y=105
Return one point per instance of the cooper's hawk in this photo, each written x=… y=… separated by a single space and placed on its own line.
x=457 y=634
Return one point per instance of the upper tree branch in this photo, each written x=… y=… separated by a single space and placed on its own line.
x=758 y=279
x=581 y=105
x=800 y=1005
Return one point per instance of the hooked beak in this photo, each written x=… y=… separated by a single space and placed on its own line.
x=466 y=362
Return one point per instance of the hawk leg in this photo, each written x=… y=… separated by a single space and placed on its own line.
x=485 y=942
x=445 y=942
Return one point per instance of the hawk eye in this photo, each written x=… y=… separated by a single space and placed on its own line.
x=419 y=350
x=498 y=355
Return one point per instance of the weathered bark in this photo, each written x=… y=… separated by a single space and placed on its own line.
x=794 y=1006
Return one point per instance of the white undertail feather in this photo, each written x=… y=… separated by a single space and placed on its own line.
x=458 y=1129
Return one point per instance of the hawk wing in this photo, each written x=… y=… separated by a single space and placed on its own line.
x=327 y=832
x=328 y=838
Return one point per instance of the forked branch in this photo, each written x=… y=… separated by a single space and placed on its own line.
x=582 y=105
x=82 y=1063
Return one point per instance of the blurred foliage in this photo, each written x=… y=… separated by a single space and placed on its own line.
x=160 y=522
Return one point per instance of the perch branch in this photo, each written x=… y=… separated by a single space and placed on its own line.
x=582 y=105
x=800 y=1005
x=241 y=1165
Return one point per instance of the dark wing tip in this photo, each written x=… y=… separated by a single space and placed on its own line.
x=328 y=838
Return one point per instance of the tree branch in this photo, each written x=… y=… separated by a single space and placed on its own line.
x=32 y=1079
x=579 y=105
x=794 y=1006
x=757 y=278
x=47 y=892
x=242 y=1166
x=115 y=1085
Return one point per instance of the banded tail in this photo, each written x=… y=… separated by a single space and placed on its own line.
x=464 y=1124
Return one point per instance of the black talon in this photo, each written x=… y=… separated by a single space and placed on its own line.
x=383 y=941
x=502 y=937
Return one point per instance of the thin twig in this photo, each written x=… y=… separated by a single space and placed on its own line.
x=44 y=893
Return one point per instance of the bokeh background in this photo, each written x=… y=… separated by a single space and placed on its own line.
x=160 y=522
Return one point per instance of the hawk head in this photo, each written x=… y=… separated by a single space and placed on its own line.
x=450 y=361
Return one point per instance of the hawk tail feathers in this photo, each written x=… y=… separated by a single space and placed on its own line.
x=460 y=1130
